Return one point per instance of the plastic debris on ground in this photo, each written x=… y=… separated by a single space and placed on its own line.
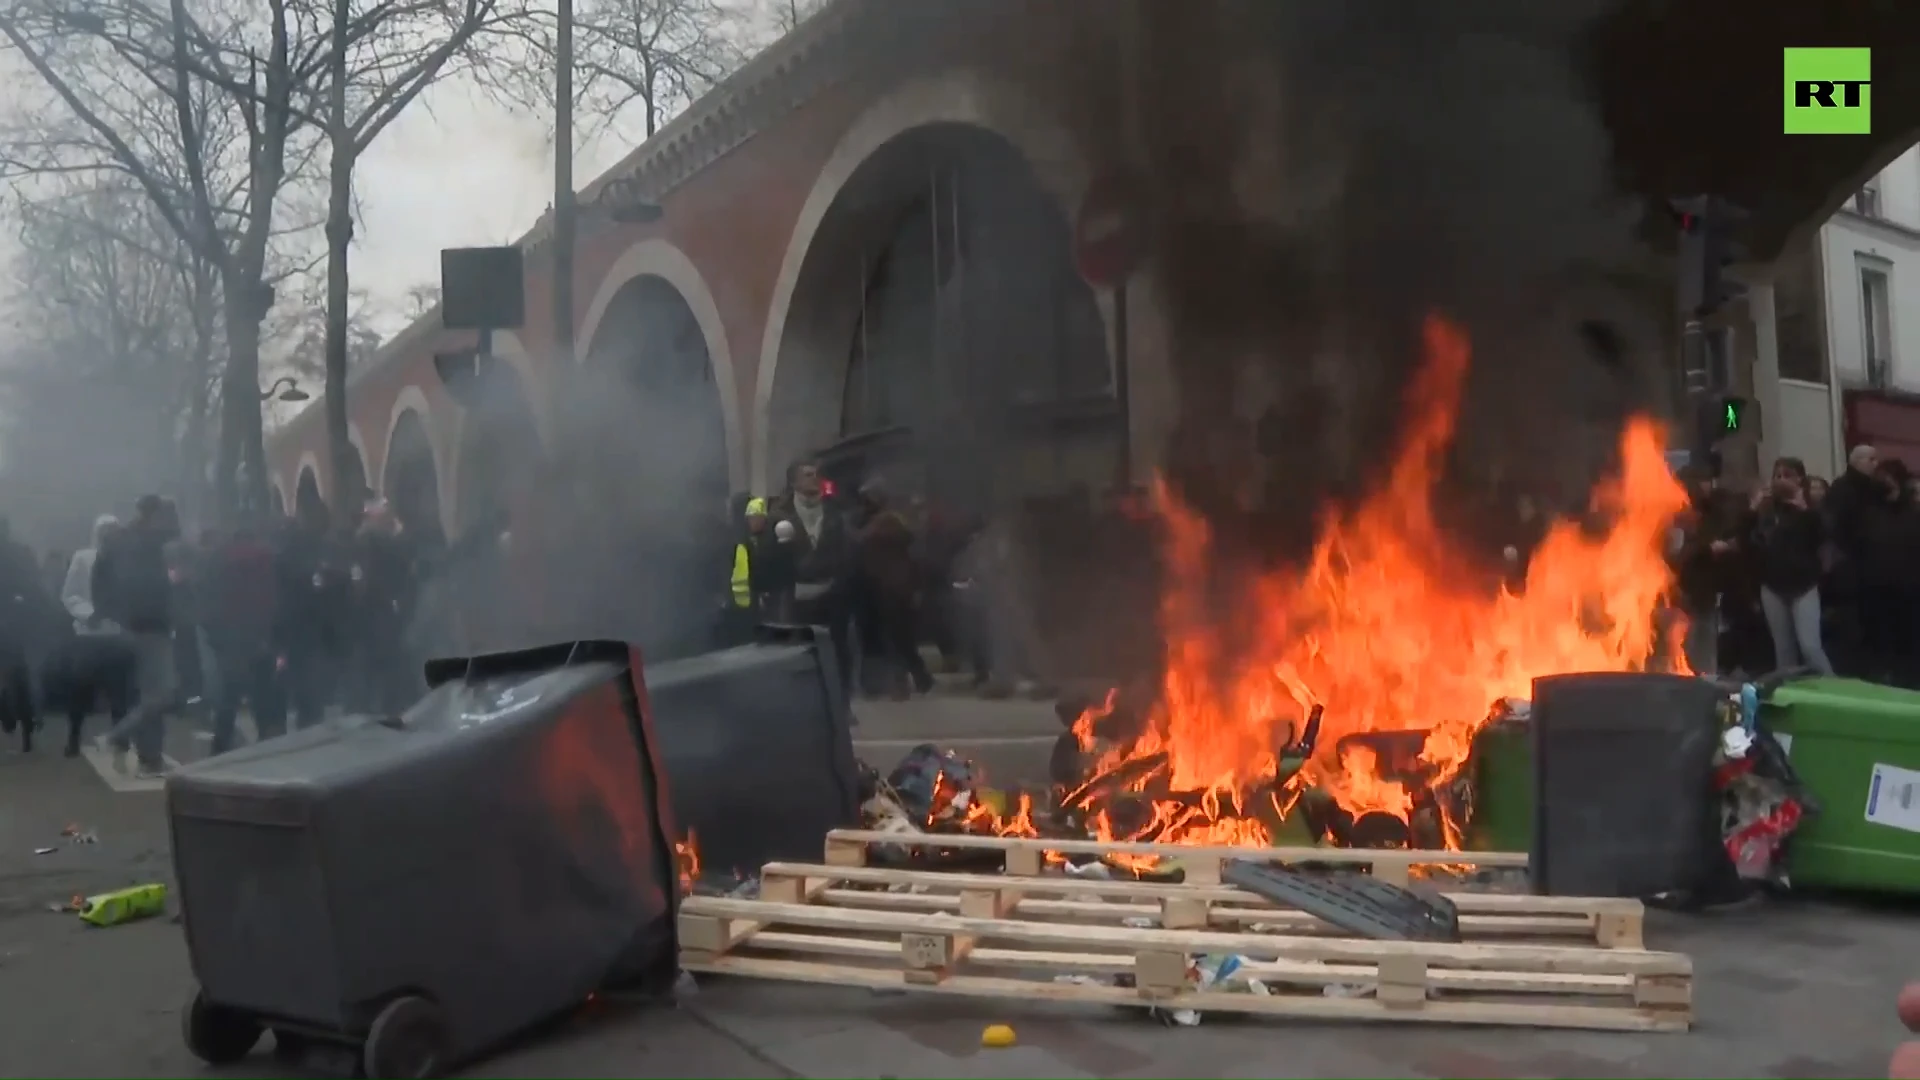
x=1206 y=973
x=926 y=774
x=1222 y=972
x=126 y=905
x=881 y=810
x=1762 y=802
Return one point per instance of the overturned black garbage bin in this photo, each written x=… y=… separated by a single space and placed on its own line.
x=758 y=747
x=422 y=887
x=1623 y=793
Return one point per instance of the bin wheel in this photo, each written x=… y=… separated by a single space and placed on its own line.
x=216 y=1034
x=408 y=1040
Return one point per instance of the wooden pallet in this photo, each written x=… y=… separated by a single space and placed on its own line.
x=977 y=934
x=1029 y=857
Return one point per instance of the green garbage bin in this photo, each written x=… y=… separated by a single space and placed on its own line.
x=1856 y=747
x=1502 y=767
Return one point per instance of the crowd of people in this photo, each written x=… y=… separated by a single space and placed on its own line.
x=285 y=620
x=303 y=613
x=885 y=574
x=1806 y=573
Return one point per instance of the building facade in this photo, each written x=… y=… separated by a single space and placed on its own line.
x=1843 y=315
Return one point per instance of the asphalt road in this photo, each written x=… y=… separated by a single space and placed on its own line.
x=1797 y=988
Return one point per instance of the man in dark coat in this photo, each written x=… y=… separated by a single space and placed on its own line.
x=241 y=617
x=133 y=586
x=819 y=548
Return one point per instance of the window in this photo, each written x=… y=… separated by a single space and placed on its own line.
x=1801 y=337
x=1866 y=201
x=1876 y=339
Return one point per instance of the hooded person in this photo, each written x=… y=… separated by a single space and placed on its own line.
x=77 y=592
x=96 y=664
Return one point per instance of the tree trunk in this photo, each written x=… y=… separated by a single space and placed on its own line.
x=348 y=477
x=194 y=489
x=240 y=483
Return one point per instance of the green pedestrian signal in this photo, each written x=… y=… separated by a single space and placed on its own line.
x=1733 y=415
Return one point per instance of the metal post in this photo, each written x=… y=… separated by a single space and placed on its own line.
x=1123 y=383
x=563 y=200
x=1695 y=386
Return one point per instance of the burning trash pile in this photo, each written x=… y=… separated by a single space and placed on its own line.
x=1339 y=703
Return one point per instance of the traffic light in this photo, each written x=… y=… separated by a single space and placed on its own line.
x=1720 y=416
x=1733 y=415
x=1707 y=248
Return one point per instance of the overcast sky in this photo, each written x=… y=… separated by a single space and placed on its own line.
x=459 y=170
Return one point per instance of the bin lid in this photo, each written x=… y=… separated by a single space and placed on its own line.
x=1849 y=708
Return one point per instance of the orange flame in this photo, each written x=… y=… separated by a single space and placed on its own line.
x=1389 y=627
x=686 y=857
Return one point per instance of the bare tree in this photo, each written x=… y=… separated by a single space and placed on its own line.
x=422 y=297
x=108 y=368
x=298 y=332
x=650 y=56
x=196 y=109
x=787 y=15
x=382 y=55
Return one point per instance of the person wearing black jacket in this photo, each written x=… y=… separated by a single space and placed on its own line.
x=314 y=599
x=383 y=579
x=239 y=613
x=819 y=547
x=1786 y=541
x=133 y=585
x=1705 y=567
x=1889 y=574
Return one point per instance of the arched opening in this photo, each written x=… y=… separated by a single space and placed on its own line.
x=306 y=493
x=411 y=482
x=499 y=447
x=939 y=303
x=647 y=436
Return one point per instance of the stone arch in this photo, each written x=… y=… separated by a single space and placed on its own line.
x=659 y=258
x=277 y=492
x=307 y=487
x=951 y=125
x=963 y=96
x=410 y=463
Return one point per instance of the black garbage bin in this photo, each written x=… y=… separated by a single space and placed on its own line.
x=758 y=747
x=423 y=887
x=1623 y=794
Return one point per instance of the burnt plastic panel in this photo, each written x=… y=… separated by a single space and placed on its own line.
x=758 y=747
x=505 y=846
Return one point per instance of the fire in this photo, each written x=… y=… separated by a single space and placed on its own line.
x=686 y=859
x=1388 y=630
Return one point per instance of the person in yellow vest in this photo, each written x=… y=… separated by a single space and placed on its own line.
x=749 y=598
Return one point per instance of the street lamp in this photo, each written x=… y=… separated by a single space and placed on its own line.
x=287 y=389
x=618 y=200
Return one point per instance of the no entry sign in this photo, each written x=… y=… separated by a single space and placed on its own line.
x=1106 y=233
